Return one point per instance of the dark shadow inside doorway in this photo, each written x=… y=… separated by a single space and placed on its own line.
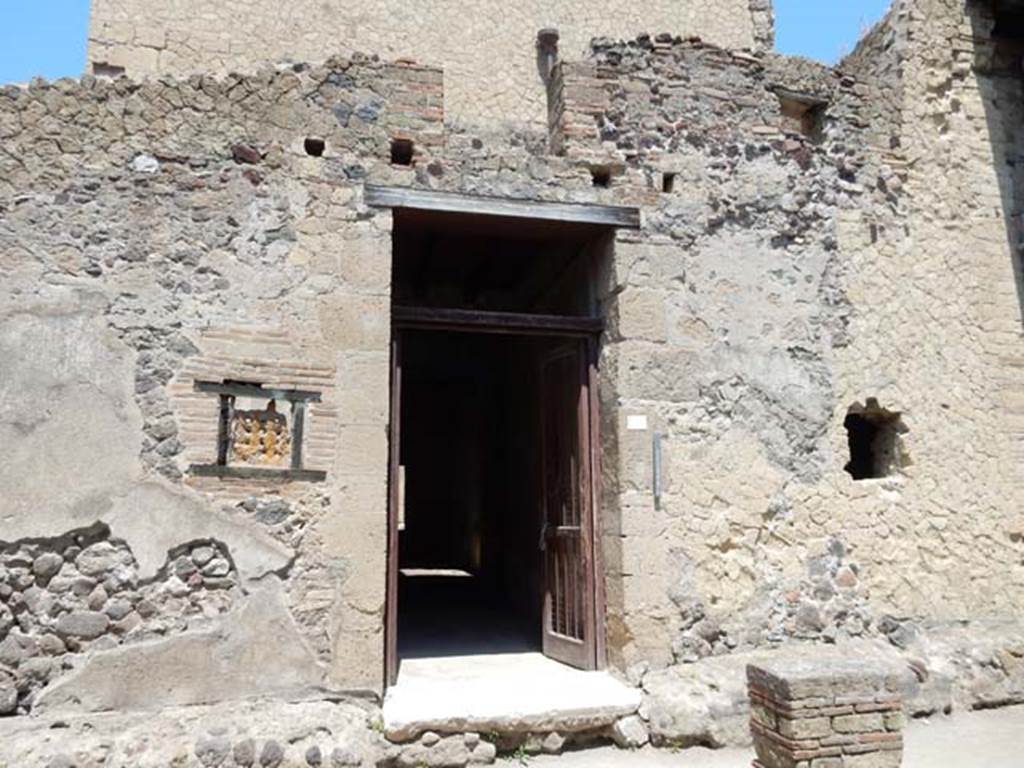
x=469 y=559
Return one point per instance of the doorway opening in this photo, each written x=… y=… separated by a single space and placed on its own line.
x=470 y=566
x=493 y=444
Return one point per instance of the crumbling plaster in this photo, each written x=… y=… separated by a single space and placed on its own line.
x=74 y=429
x=727 y=311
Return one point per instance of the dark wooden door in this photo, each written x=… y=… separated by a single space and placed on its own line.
x=567 y=537
x=394 y=500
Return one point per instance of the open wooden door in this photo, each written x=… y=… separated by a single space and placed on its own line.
x=394 y=501
x=567 y=538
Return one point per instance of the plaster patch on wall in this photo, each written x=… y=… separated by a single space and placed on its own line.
x=67 y=413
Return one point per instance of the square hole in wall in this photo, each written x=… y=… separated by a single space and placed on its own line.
x=801 y=114
x=103 y=69
x=402 y=151
x=314 y=146
x=601 y=176
x=874 y=437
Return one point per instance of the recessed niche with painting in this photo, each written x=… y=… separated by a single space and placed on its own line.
x=260 y=432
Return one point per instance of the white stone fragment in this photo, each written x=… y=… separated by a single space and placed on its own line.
x=145 y=164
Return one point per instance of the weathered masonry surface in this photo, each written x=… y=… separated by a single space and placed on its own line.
x=491 y=69
x=814 y=243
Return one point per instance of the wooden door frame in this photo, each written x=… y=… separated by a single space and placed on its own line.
x=394 y=462
x=587 y=328
x=511 y=323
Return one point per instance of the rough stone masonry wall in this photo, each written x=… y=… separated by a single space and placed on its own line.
x=938 y=332
x=152 y=235
x=727 y=313
x=81 y=593
x=156 y=234
x=778 y=282
x=487 y=49
x=159 y=234
x=162 y=233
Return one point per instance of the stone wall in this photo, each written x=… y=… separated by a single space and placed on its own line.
x=803 y=251
x=939 y=335
x=729 y=310
x=488 y=50
x=81 y=593
x=780 y=281
x=159 y=234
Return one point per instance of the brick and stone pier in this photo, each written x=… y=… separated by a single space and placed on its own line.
x=825 y=713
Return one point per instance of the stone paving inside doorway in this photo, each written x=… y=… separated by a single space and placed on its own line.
x=983 y=739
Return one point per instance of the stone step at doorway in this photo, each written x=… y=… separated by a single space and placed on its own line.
x=502 y=693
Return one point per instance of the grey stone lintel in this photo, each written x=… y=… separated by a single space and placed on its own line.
x=429 y=200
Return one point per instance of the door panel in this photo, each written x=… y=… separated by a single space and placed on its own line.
x=566 y=539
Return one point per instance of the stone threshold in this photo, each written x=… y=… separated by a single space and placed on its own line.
x=502 y=693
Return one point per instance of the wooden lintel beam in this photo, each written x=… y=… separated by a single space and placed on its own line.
x=495 y=322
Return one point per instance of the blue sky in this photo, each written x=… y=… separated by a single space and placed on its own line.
x=825 y=30
x=47 y=37
x=42 y=37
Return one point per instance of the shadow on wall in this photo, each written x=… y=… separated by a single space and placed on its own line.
x=998 y=25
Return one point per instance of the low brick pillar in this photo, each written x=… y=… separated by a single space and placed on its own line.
x=825 y=712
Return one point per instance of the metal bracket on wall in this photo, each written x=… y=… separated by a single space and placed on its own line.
x=656 y=468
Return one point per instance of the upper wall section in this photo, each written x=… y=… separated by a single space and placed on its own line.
x=488 y=50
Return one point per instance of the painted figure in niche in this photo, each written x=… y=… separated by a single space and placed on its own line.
x=260 y=437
